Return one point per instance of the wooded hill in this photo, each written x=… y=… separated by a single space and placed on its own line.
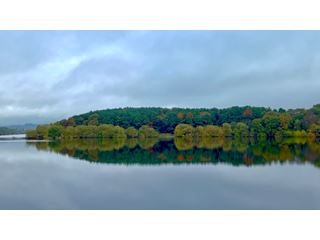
x=164 y=120
x=234 y=121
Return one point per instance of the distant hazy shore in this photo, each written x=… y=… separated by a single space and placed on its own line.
x=13 y=136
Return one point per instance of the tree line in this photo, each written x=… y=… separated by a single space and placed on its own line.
x=164 y=120
x=229 y=122
x=104 y=131
x=9 y=131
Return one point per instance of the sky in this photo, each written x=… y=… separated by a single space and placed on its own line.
x=46 y=76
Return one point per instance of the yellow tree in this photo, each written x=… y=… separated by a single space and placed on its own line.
x=285 y=119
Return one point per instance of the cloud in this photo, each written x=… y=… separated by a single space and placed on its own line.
x=49 y=75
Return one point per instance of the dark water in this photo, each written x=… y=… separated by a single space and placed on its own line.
x=180 y=174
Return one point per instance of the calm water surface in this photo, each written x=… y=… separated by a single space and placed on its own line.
x=180 y=174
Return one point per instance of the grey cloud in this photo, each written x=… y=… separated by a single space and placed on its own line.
x=47 y=75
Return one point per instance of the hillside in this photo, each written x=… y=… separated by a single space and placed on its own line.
x=9 y=131
x=16 y=129
x=257 y=122
x=165 y=120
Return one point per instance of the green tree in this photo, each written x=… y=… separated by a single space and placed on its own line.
x=87 y=131
x=119 y=132
x=132 y=132
x=297 y=124
x=148 y=132
x=93 y=119
x=315 y=129
x=42 y=131
x=257 y=129
x=32 y=134
x=213 y=131
x=285 y=120
x=227 y=130
x=183 y=130
x=55 y=131
x=106 y=131
x=271 y=123
x=241 y=130
x=68 y=132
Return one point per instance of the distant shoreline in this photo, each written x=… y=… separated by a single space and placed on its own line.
x=13 y=137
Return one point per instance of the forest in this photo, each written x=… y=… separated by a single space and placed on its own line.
x=258 y=122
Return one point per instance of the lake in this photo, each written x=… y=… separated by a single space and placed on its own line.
x=13 y=136
x=152 y=174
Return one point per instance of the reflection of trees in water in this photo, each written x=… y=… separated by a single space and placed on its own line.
x=210 y=143
x=187 y=150
x=147 y=143
x=241 y=145
x=185 y=143
x=131 y=142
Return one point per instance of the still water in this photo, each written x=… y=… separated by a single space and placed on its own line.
x=152 y=174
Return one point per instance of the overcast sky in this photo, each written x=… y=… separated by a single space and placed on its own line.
x=49 y=75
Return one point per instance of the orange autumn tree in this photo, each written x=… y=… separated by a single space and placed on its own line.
x=180 y=115
x=247 y=112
